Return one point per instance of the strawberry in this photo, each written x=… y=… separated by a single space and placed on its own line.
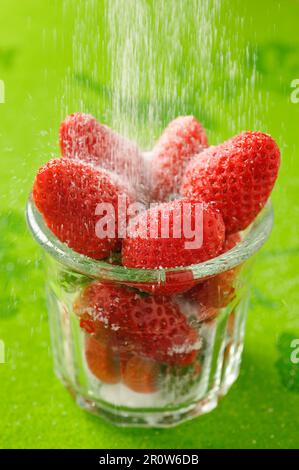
x=91 y=326
x=205 y=312
x=231 y=241
x=237 y=176
x=148 y=326
x=195 y=310
x=182 y=138
x=217 y=291
x=174 y=282
x=140 y=374
x=83 y=137
x=101 y=360
x=169 y=245
x=67 y=193
x=87 y=323
x=178 y=282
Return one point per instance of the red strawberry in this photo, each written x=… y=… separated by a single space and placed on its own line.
x=140 y=374
x=237 y=176
x=101 y=360
x=173 y=282
x=178 y=282
x=67 y=193
x=83 y=137
x=148 y=326
x=169 y=246
x=87 y=323
x=217 y=291
x=196 y=310
x=206 y=313
x=231 y=241
x=182 y=138
x=92 y=327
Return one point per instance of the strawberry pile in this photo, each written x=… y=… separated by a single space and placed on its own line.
x=135 y=327
x=232 y=181
x=129 y=332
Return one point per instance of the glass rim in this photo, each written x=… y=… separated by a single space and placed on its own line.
x=253 y=238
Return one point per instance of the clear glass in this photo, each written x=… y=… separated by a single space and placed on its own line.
x=161 y=379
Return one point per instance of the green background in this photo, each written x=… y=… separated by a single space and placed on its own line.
x=36 y=63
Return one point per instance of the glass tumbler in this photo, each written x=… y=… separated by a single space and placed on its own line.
x=130 y=352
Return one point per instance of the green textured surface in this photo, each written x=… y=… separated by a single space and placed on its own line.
x=261 y=410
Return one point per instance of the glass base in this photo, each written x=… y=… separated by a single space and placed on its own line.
x=149 y=419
